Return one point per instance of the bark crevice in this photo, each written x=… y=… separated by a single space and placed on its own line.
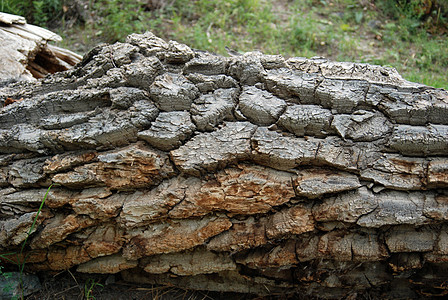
x=253 y=173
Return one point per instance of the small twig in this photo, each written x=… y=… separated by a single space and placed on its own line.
x=75 y=281
x=70 y=288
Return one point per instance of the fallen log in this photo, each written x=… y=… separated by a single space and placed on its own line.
x=252 y=173
x=25 y=53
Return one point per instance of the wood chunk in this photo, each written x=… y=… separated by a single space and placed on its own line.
x=396 y=208
x=406 y=106
x=438 y=173
x=145 y=207
x=294 y=86
x=178 y=53
x=58 y=228
x=206 y=64
x=210 y=83
x=15 y=231
x=104 y=240
x=281 y=152
x=341 y=95
x=141 y=72
x=362 y=126
x=97 y=208
x=333 y=152
x=307 y=247
x=348 y=70
x=436 y=207
x=397 y=172
x=64 y=258
x=279 y=256
x=27 y=172
x=247 y=68
x=352 y=246
x=64 y=162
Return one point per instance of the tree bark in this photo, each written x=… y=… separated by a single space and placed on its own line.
x=252 y=173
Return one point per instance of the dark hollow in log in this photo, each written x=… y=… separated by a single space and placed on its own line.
x=252 y=173
x=25 y=53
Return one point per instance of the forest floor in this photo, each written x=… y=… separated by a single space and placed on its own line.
x=69 y=285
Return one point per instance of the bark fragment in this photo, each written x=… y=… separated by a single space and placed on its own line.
x=212 y=109
x=210 y=151
x=171 y=237
x=107 y=265
x=239 y=191
x=313 y=183
x=131 y=167
x=173 y=92
x=199 y=261
x=306 y=120
x=408 y=239
x=169 y=130
x=260 y=107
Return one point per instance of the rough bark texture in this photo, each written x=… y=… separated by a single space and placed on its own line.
x=253 y=173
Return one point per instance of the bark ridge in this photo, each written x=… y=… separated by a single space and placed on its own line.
x=252 y=173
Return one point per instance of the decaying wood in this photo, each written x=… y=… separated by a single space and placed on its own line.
x=252 y=173
x=25 y=54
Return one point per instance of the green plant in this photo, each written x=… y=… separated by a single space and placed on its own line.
x=39 y=12
x=410 y=35
x=6 y=276
x=119 y=18
x=20 y=259
x=431 y=15
x=89 y=286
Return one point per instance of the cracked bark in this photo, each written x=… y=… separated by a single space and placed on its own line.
x=253 y=173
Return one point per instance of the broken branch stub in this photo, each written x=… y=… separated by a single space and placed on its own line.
x=25 y=53
x=253 y=173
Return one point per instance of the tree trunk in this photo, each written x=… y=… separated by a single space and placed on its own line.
x=250 y=173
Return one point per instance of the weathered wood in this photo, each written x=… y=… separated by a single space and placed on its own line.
x=25 y=54
x=252 y=173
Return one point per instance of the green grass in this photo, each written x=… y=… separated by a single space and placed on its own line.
x=39 y=12
x=405 y=34
x=20 y=259
x=338 y=29
x=89 y=286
